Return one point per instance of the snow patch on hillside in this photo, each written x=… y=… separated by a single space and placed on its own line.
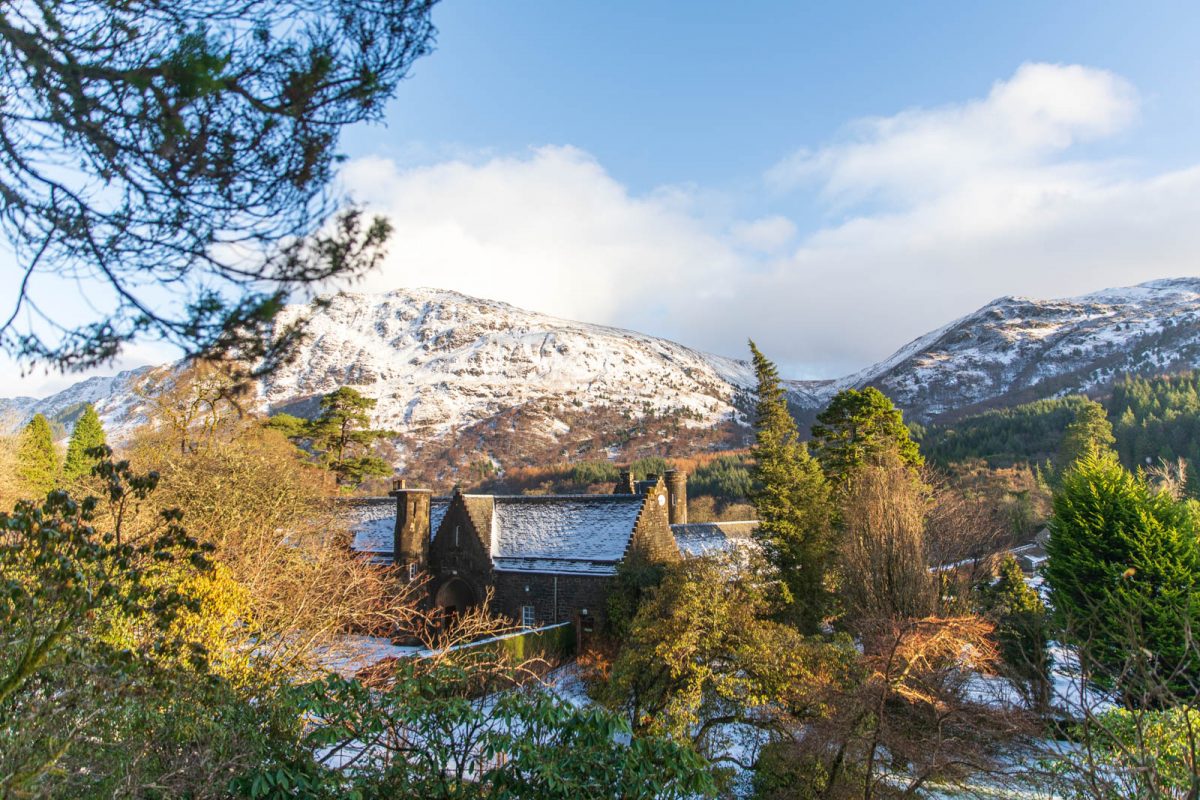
x=439 y=361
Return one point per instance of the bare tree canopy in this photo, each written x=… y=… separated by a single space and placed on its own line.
x=178 y=156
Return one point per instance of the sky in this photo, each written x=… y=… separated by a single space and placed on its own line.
x=831 y=180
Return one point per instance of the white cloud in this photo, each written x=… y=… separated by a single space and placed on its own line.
x=767 y=235
x=935 y=211
x=550 y=231
x=920 y=154
x=930 y=213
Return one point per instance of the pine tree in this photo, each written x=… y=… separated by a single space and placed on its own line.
x=1023 y=632
x=343 y=427
x=88 y=433
x=1091 y=433
x=857 y=426
x=37 y=458
x=1123 y=569
x=792 y=499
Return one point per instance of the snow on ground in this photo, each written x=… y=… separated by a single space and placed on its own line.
x=354 y=653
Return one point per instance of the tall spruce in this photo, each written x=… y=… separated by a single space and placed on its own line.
x=1022 y=631
x=37 y=458
x=857 y=426
x=88 y=433
x=1123 y=568
x=1090 y=433
x=793 y=502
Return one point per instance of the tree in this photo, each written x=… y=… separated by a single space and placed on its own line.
x=1023 y=632
x=908 y=720
x=855 y=426
x=190 y=405
x=37 y=457
x=459 y=730
x=1089 y=433
x=883 y=563
x=113 y=678
x=266 y=511
x=792 y=499
x=87 y=434
x=344 y=426
x=702 y=656
x=179 y=156
x=1131 y=753
x=289 y=425
x=1123 y=568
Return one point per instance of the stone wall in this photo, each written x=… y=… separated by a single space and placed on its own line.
x=652 y=540
x=555 y=598
x=466 y=558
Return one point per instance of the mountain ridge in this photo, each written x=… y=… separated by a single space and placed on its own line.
x=458 y=376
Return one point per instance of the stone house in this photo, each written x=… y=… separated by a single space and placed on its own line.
x=545 y=559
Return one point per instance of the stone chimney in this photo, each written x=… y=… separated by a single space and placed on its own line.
x=410 y=549
x=625 y=483
x=676 y=480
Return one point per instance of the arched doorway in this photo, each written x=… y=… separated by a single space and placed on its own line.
x=454 y=598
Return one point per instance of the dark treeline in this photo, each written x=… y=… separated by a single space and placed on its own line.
x=1156 y=418
x=1153 y=418
x=1029 y=433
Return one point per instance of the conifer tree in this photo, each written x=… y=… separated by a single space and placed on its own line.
x=1123 y=568
x=343 y=427
x=88 y=433
x=856 y=426
x=792 y=499
x=1089 y=434
x=37 y=458
x=1023 y=631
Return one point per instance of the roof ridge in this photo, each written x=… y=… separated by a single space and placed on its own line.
x=533 y=498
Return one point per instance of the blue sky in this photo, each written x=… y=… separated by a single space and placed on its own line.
x=831 y=179
x=713 y=93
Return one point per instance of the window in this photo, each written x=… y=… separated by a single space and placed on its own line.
x=456 y=537
x=412 y=572
x=527 y=619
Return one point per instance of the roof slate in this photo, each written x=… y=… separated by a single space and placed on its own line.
x=577 y=534
x=589 y=528
x=372 y=520
x=705 y=538
x=557 y=566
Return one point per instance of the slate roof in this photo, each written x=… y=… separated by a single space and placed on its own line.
x=585 y=534
x=372 y=520
x=704 y=538
x=437 y=512
x=577 y=534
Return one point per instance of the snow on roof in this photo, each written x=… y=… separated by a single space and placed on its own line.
x=705 y=538
x=579 y=534
x=556 y=566
x=372 y=520
x=437 y=512
x=556 y=528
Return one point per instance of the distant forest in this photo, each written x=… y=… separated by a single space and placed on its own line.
x=1152 y=418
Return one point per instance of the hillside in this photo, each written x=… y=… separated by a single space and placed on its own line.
x=470 y=383
x=1017 y=349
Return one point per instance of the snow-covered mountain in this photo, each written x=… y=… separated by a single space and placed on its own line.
x=1017 y=349
x=465 y=373
x=438 y=361
x=116 y=400
x=481 y=379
